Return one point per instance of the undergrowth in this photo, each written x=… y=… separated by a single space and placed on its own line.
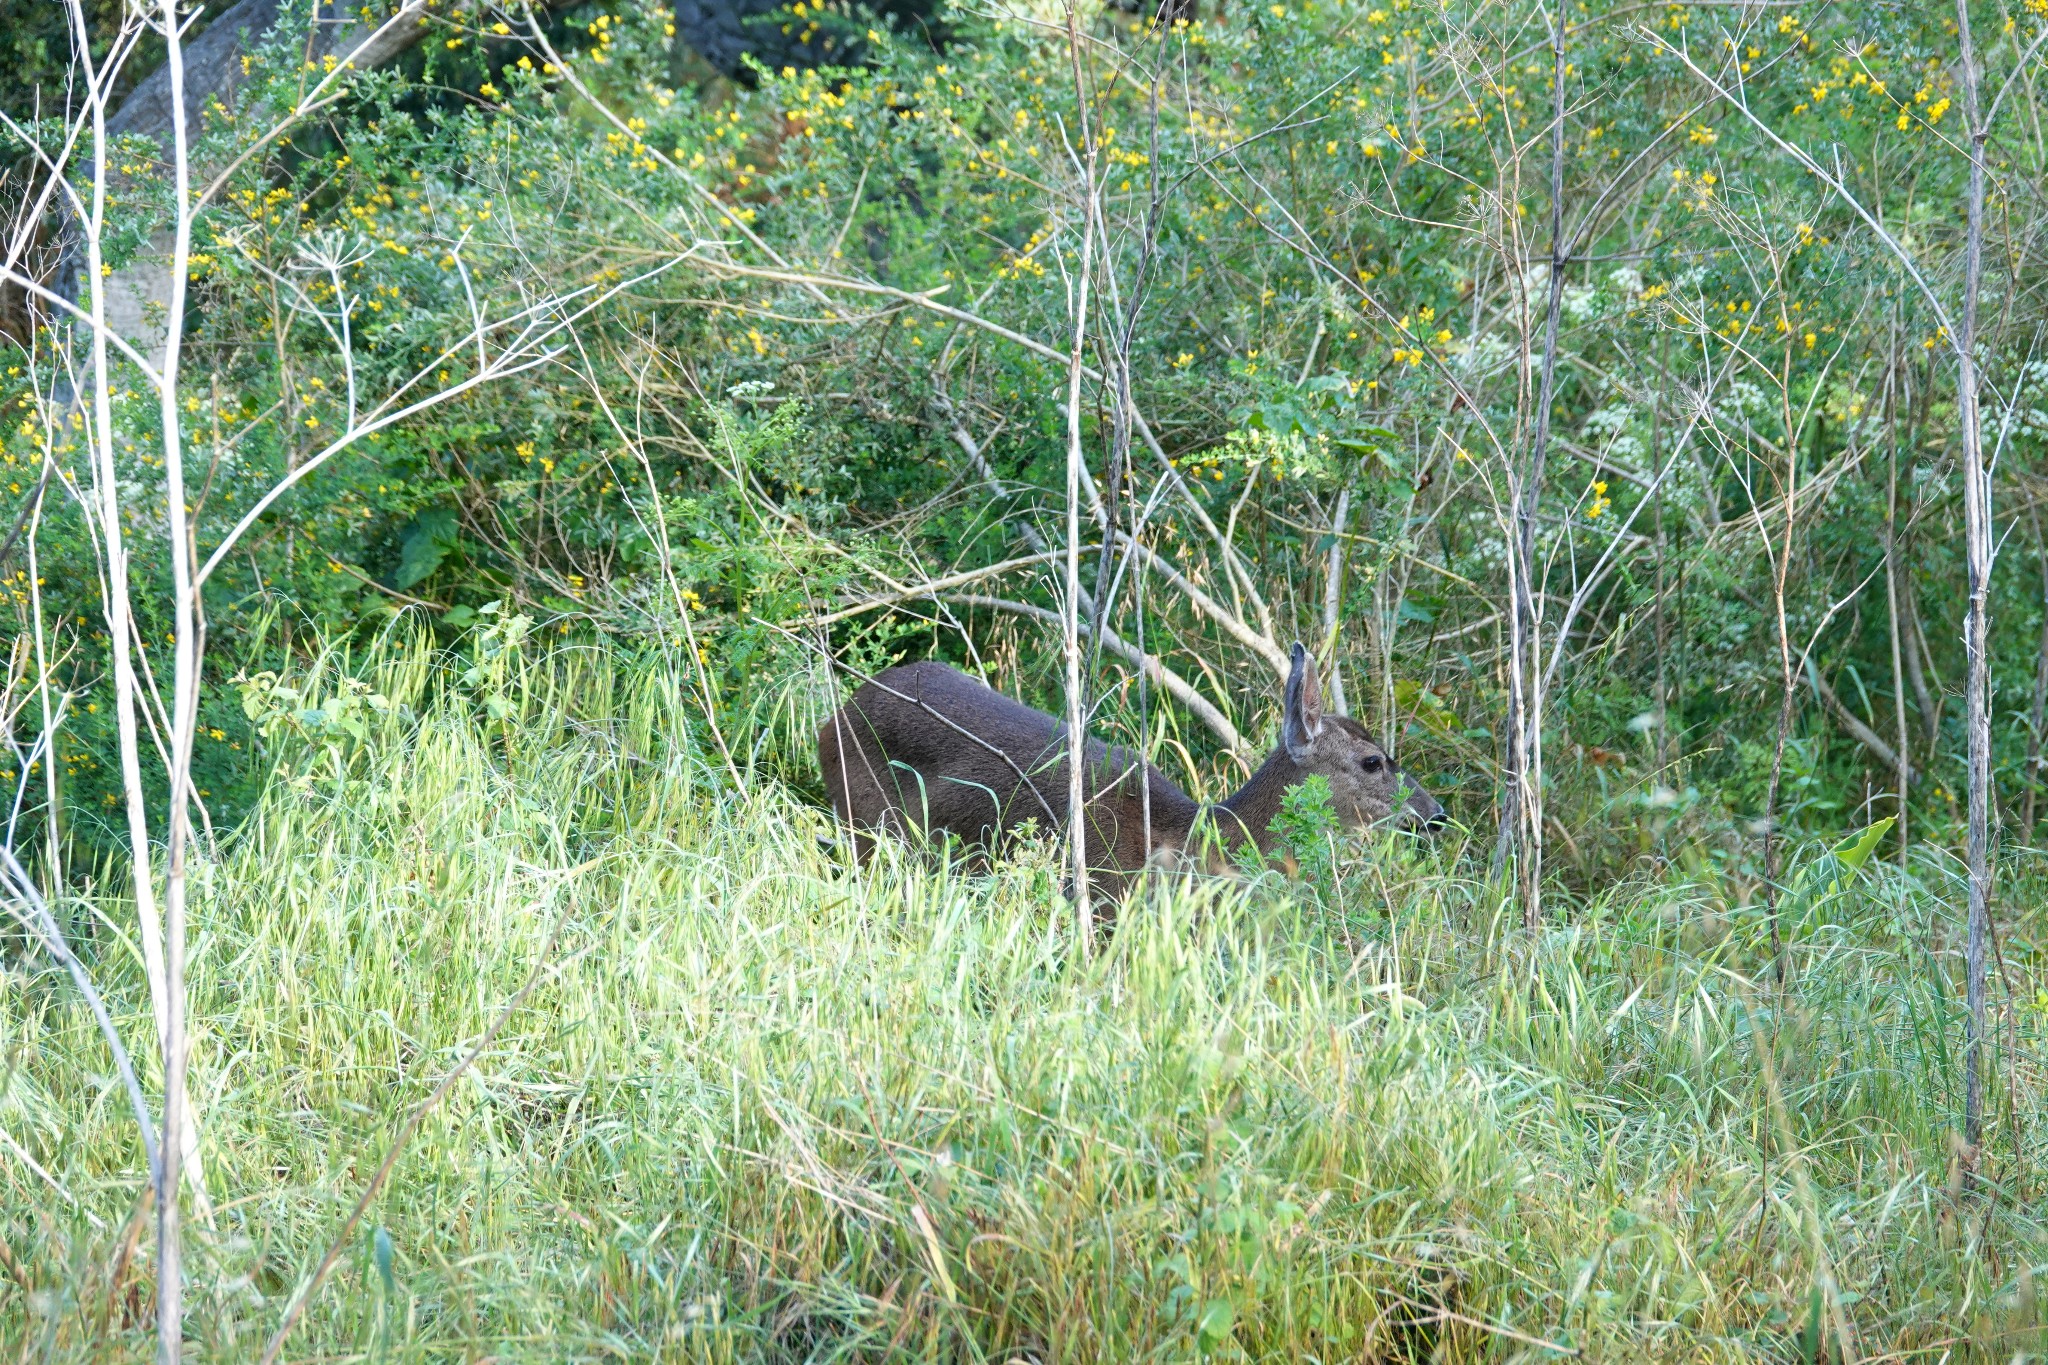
x=763 y=1106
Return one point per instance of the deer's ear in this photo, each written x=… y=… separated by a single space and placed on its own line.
x=1302 y=719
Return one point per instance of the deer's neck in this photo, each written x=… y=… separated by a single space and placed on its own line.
x=1256 y=803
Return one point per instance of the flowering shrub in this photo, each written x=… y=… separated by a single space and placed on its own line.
x=1329 y=232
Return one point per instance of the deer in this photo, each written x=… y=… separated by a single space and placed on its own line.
x=924 y=750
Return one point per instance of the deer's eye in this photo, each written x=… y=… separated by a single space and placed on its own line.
x=1372 y=763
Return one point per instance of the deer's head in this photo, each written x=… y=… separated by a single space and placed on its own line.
x=1366 y=786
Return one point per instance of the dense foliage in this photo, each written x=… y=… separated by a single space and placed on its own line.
x=581 y=424
x=1330 y=232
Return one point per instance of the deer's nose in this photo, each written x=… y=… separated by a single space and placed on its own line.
x=1427 y=812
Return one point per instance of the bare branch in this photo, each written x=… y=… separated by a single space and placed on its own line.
x=1176 y=686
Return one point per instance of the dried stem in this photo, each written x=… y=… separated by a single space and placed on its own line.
x=1070 y=617
x=1977 y=621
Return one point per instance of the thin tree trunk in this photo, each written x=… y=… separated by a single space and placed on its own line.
x=1915 y=645
x=1675 y=708
x=1663 y=625
x=2038 y=715
x=119 y=645
x=53 y=713
x=1977 y=622
x=1077 y=790
x=1914 y=639
x=1521 y=832
x=1144 y=713
x=1333 y=601
x=184 y=708
x=1891 y=593
x=1783 y=571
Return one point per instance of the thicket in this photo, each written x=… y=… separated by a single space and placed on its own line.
x=1328 y=228
x=1580 y=383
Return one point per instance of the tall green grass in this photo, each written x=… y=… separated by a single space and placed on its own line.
x=763 y=1106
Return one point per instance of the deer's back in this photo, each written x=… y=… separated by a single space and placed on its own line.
x=907 y=709
x=925 y=746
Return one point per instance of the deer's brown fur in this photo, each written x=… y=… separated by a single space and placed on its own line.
x=924 y=748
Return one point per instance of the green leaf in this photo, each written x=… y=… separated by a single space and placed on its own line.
x=1810 y=1333
x=1305 y=823
x=429 y=542
x=1218 y=1317
x=1854 y=853
x=380 y=1251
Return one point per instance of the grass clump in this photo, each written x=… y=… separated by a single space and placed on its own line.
x=761 y=1106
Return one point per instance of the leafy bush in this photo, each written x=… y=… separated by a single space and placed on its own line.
x=1313 y=253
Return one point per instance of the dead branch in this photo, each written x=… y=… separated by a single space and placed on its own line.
x=1153 y=667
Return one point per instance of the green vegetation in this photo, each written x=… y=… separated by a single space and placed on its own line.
x=763 y=1107
x=1623 y=402
x=773 y=446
